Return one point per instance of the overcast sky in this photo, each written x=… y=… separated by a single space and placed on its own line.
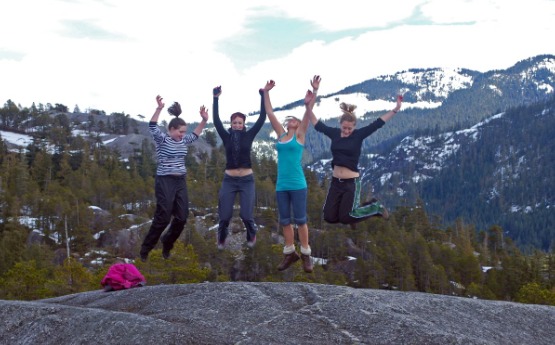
x=117 y=55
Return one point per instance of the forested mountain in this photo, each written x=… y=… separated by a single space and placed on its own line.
x=499 y=171
x=466 y=168
x=465 y=158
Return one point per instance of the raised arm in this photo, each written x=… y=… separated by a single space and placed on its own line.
x=303 y=126
x=387 y=116
x=216 y=92
x=315 y=83
x=159 y=108
x=204 y=114
x=278 y=128
x=262 y=118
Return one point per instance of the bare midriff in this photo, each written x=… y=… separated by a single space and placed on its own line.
x=344 y=173
x=240 y=172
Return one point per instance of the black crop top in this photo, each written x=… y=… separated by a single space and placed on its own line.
x=346 y=151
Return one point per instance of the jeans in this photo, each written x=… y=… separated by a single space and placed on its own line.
x=231 y=186
x=292 y=200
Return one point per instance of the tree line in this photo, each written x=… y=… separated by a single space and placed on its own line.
x=51 y=188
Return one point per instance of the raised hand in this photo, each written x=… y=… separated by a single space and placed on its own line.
x=217 y=91
x=204 y=113
x=159 y=101
x=399 y=102
x=309 y=97
x=269 y=85
x=315 y=82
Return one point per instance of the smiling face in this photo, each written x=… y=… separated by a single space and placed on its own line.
x=178 y=133
x=237 y=124
x=347 y=128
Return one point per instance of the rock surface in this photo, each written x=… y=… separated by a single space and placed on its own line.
x=271 y=313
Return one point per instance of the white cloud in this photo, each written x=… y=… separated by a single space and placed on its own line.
x=116 y=55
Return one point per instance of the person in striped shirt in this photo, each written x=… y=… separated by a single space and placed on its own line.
x=170 y=182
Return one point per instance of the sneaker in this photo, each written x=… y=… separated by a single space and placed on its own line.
x=252 y=242
x=144 y=256
x=221 y=245
x=166 y=253
x=307 y=263
x=288 y=260
x=221 y=240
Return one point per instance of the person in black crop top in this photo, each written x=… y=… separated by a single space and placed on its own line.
x=238 y=178
x=342 y=203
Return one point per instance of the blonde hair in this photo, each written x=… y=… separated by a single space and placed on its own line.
x=348 y=112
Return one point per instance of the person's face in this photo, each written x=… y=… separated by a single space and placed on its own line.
x=177 y=134
x=347 y=128
x=292 y=123
x=237 y=124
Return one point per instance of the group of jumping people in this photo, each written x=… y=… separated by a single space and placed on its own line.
x=343 y=202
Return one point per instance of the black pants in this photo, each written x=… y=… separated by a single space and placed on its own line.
x=171 y=200
x=343 y=203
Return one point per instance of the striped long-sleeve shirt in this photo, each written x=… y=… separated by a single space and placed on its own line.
x=170 y=154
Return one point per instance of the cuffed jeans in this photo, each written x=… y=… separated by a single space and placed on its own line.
x=295 y=201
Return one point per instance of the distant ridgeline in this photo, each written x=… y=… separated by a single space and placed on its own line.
x=469 y=145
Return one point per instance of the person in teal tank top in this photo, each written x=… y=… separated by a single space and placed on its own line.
x=291 y=187
x=290 y=170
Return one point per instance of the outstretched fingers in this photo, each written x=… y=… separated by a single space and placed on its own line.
x=315 y=82
x=159 y=101
x=204 y=112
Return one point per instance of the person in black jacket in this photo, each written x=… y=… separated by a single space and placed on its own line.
x=238 y=178
x=342 y=203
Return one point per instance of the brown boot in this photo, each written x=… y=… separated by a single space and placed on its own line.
x=384 y=212
x=288 y=260
x=307 y=263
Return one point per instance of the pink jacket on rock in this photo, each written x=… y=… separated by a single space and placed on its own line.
x=122 y=276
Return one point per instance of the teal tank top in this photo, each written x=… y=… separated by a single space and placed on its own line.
x=290 y=171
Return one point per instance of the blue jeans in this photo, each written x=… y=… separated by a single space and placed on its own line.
x=231 y=186
x=292 y=200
